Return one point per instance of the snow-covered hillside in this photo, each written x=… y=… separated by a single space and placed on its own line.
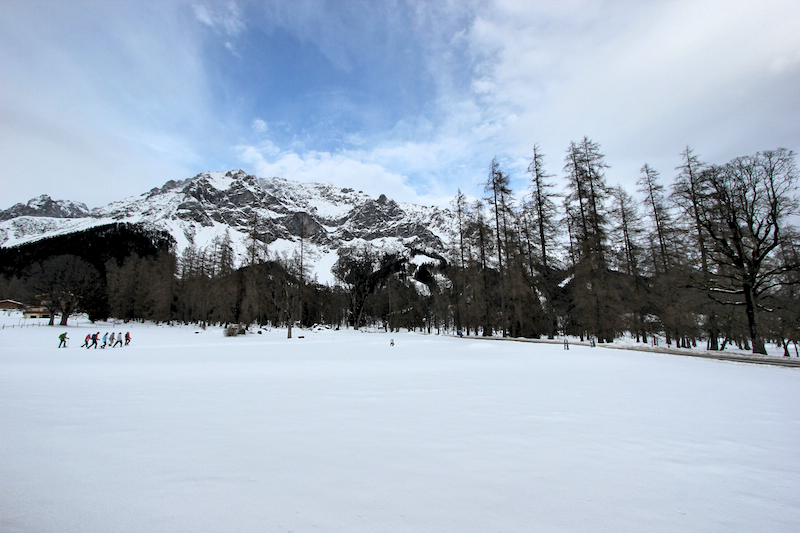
x=187 y=430
x=278 y=211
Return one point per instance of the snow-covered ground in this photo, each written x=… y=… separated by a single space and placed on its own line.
x=187 y=430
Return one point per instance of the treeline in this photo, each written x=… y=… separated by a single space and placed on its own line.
x=67 y=274
x=709 y=258
x=203 y=286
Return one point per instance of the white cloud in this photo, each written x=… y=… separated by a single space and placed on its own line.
x=232 y=49
x=228 y=20
x=232 y=20
x=642 y=79
x=341 y=169
x=259 y=126
x=201 y=12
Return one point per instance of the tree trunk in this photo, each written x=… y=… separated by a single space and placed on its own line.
x=752 y=321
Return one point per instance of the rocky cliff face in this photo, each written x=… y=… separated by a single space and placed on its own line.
x=44 y=206
x=276 y=211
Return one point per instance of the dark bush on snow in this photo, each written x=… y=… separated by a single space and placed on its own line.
x=234 y=330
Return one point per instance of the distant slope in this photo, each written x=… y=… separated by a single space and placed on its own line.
x=96 y=245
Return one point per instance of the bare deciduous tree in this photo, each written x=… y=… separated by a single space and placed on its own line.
x=743 y=208
x=63 y=283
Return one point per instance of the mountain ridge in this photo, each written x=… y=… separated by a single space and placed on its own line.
x=277 y=212
x=45 y=206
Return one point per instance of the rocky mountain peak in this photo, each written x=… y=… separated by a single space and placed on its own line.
x=44 y=206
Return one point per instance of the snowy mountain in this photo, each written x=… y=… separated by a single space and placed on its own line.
x=44 y=206
x=277 y=211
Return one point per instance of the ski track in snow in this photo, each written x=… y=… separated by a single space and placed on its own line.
x=187 y=430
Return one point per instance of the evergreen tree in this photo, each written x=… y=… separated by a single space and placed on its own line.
x=544 y=219
x=628 y=233
x=458 y=272
x=688 y=190
x=499 y=199
x=596 y=301
x=668 y=278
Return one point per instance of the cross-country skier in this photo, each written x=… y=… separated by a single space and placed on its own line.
x=119 y=339
x=86 y=341
x=127 y=338
x=63 y=338
x=105 y=340
x=111 y=340
x=95 y=337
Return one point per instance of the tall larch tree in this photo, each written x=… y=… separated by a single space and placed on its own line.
x=545 y=230
x=596 y=300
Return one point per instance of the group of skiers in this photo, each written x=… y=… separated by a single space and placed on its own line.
x=93 y=338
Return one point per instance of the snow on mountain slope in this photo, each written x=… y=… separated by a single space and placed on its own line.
x=25 y=229
x=279 y=212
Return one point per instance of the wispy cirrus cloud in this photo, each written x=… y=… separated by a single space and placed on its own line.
x=226 y=19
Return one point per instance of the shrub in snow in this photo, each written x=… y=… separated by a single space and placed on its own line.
x=234 y=330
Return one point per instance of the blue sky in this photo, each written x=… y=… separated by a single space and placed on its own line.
x=103 y=100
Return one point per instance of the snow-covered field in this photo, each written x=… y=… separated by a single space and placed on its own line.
x=339 y=431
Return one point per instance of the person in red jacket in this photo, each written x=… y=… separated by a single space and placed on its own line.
x=127 y=338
